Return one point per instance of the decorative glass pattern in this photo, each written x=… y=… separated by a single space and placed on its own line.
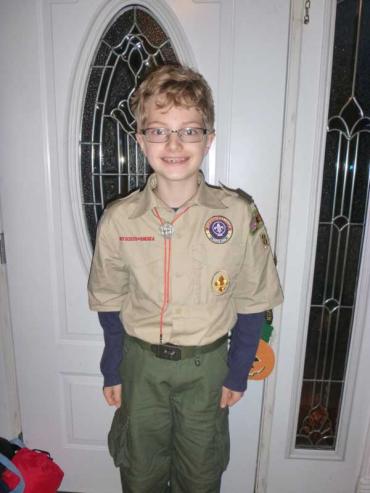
x=342 y=220
x=112 y=163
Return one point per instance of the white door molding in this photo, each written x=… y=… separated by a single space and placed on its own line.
x=363 y=485
x=10 y=416
x=282 y=229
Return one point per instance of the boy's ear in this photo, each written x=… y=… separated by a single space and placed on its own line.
x=140 y=141
x=210 y=138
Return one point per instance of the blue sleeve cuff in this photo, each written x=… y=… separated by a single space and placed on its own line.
x=245 y=337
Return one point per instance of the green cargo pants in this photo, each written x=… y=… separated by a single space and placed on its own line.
x=170 y=428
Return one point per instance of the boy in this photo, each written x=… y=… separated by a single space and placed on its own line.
x=178 y=265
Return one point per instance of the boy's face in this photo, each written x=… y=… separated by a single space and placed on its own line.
x=174 y=161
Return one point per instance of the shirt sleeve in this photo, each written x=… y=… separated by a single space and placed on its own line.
x=257 y=287
x=108 y=280
x=113 y=347
x=245 y=337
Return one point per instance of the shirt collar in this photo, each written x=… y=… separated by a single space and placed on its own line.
x=206 y=197
x=147 y=198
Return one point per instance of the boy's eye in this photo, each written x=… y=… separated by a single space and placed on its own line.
x=190 y=131
x=157 y=131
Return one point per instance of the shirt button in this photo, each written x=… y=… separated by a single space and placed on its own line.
x=178 y=275
x=178 y=311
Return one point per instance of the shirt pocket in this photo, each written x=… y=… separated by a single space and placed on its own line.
x=216 y=268
x=146 y=267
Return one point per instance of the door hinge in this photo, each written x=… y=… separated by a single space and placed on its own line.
x=2 y=249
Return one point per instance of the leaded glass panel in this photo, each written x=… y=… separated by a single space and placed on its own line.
x=112 y=163
x=344 y=200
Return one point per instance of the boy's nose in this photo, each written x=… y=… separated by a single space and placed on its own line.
x=174 y=140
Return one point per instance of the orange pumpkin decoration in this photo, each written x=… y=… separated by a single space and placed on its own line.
x=263 y=363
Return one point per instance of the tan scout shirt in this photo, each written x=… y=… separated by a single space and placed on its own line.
x=220 y=265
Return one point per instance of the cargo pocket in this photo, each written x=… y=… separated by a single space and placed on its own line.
x=222 y=439
x=118 y=438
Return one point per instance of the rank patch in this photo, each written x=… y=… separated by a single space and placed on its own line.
x=218 y=229
x=220 y=282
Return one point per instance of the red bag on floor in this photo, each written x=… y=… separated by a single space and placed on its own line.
x=40 y=473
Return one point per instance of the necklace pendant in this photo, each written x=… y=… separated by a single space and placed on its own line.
x=167 y=230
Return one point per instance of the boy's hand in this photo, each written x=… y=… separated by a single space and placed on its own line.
x=113 y=395
x=230 y=397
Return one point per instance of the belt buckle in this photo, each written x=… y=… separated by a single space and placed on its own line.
x=167 y=351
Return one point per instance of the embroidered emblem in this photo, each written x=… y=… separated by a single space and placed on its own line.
x=220 y=282
x=218 y=229
x=256 y=221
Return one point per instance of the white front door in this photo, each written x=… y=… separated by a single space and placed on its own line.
x=241 y=48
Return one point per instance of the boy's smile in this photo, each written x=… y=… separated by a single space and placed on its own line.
x=174 y=161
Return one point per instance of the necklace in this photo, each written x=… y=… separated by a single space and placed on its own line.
x=167 y=230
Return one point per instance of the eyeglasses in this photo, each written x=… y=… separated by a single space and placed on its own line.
x=187 y=135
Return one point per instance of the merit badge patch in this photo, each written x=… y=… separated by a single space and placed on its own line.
x=220 y=282
x=218 y=229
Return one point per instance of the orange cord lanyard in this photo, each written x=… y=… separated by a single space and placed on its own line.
x=166 y=270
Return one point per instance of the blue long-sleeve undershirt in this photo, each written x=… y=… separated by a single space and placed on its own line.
x=243 y=346
x=245 y=337
x=113 y=347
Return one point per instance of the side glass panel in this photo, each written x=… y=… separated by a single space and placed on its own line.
x=344 y=199
x=112 y=164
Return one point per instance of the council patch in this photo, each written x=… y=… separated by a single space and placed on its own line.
x=218 y=229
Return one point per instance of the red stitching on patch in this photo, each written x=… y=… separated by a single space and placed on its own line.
x=136 y=238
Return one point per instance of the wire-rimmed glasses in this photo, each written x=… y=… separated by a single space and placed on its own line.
x=187 y=135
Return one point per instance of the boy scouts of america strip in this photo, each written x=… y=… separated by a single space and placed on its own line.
x=218 y=229
x=136 y=238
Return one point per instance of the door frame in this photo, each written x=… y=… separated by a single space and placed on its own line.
x=10 y=415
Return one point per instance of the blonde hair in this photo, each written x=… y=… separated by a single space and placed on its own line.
x=174 y=85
